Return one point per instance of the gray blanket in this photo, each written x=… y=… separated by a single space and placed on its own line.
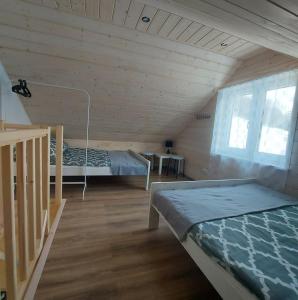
x=123 y=163
x=185 y=208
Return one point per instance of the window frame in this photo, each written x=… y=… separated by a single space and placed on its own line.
x=259 y=156
x=252 y=153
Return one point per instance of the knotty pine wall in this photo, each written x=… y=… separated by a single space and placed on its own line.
x=195 y=141
x=143 y=87
x=117 y=145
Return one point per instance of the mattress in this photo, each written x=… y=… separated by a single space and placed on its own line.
x=259 y=249
x=183 y=208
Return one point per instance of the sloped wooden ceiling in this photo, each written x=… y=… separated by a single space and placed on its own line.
x=129 y=13
x=146 y=80
x=270 y=23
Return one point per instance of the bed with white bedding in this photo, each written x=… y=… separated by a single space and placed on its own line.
x=100 y=163
x=242 y=235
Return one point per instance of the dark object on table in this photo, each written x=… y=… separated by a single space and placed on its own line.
x=169 y=145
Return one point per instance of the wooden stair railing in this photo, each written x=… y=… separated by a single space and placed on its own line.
x=26 y=210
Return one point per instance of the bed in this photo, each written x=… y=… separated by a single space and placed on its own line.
x=100 y=163
x=247 y=248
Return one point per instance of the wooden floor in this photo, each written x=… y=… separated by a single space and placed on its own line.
x=103 y=250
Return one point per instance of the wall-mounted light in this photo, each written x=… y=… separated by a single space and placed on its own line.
x=146 y=19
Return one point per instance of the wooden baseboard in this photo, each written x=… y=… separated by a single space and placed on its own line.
x=32 y=287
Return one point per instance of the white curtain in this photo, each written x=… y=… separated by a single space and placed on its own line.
x=254 y=128
x=223 y=167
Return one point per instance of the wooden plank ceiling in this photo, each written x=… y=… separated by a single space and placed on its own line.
x=146 y=80
x=269 y=23
x=130 y=13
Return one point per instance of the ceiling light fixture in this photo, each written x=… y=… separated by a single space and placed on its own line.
x=146 y=19
x=223 y=45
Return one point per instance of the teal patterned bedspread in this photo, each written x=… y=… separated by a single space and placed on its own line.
x=77 y=157
x=259 y=249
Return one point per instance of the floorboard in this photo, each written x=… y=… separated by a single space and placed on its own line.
x=103 y=250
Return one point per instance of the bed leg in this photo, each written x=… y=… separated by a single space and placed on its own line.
x=153 y=218
x=147 y=179
x=147 y=183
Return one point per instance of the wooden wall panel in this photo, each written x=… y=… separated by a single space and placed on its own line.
x=107 y=9
x=189 y=32
x=143 y=88
x=129 y=13
x=78 y=6
x=133 y=14
x=179 y=29
x=158 y=21
x=120 y=11
x=63 y=5
x=50 y=3
x=194 y=142
x=117 y=145
x=92 y=8
x=148 y=11
x=260 y=22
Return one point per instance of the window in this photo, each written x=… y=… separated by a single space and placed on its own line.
x=255 y=121
x=239 y=125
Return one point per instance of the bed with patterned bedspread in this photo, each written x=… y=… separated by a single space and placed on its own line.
x=247 y=229
x=76 y=157
x=259 y=249
x=99 y=162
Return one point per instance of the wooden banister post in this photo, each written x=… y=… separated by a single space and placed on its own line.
x=59 y=162
x=31 y=197
x=1 y=125
x=21 y=196
x=26 y=204
x=7 y=195
x=1 y=198
x=46 y=176
x=39 y=194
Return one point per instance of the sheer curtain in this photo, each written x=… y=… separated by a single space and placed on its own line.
x=254 y=128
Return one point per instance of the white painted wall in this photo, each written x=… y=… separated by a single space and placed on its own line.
x=11 y=108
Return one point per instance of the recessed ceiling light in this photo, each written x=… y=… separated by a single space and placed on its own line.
x=146 y=19
x=223 y=45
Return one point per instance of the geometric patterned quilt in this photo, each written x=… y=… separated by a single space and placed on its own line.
x=259 y=249
x=77 y=157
